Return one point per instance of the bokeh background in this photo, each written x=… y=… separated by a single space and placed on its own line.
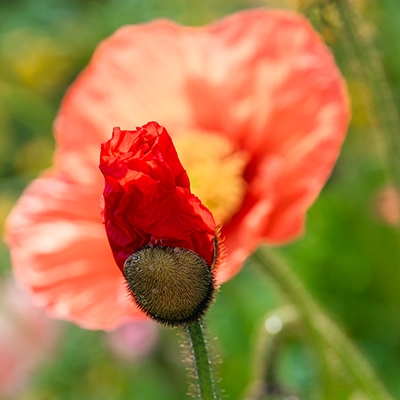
x=348 y=258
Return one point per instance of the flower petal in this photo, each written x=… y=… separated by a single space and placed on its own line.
x=147 y=196
x=59 y=251
x=245 y=231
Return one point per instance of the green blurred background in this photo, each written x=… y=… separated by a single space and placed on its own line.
x=348 y=258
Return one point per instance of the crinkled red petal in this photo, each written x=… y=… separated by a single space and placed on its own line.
x=147 y=198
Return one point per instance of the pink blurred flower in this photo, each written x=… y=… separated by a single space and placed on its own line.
x=387 y=205
x=27 y=338
x=134 y=340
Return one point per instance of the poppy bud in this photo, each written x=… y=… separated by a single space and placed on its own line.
x=172 y=285
x=164 y=240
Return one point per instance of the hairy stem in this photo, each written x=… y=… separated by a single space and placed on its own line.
x=202 y=363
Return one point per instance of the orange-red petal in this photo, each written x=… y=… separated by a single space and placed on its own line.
x=60 y=253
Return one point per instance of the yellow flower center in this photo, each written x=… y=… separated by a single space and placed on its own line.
x=215 y=170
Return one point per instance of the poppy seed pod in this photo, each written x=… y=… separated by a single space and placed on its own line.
x=173 y=286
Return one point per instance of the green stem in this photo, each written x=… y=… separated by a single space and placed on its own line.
x=267 y=347
x=361 y=49
x=321 y=326
x=203 y=368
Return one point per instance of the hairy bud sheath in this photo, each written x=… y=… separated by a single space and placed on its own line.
x=172 y=285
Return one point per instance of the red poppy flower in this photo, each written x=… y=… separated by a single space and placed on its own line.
x=257 y=111
x=162 y=237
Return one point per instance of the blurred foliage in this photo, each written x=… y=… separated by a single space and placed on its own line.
x=348 y=258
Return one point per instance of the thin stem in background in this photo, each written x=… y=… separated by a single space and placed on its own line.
x=321 y=326
x=381 y=109
x=267 y=348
